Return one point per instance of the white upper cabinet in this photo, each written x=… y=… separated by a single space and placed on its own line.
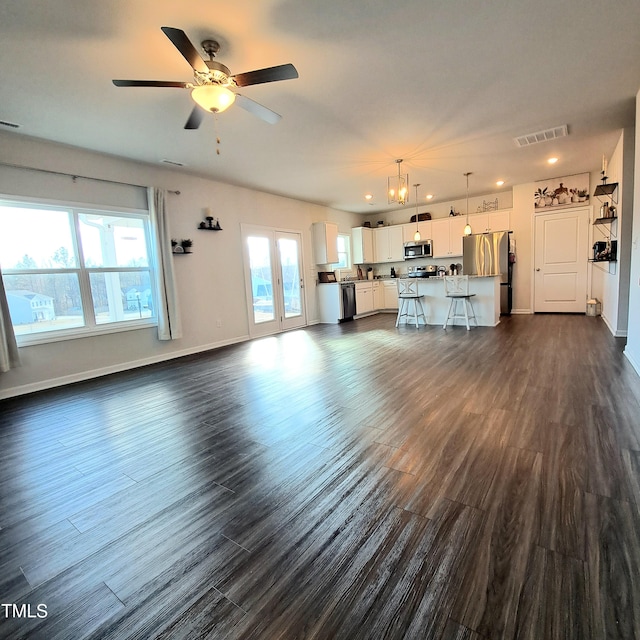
x=490 y=221
x=325 y=242
x=409 y=230
x=362 y=238
x=388 y=244
x=447 y=234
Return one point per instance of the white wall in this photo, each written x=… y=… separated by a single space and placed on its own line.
x=632 y=350
x=210 y=280
x=610 y=282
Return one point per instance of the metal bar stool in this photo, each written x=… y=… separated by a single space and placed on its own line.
x=408 y=299
x=456 y=288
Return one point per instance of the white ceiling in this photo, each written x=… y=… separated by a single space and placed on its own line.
x=444 y=85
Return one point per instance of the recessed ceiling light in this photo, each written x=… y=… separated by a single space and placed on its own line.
x=552 y=160
x=429 y=196
x=368 y=196
x=500 y=183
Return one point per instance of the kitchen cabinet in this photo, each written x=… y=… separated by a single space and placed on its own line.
x=364 y=297
x=390 y=288
x=325 y=242
x=388 y=244
x=447 y=235
x=362 y=239
x=409 y=230
x=378 y=295
x=490 y=221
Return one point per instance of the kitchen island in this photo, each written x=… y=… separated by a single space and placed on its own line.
x=486 y=302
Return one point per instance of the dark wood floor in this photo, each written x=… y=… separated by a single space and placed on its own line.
x=340 y=482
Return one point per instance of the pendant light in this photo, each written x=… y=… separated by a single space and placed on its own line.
x=467 y=227
x=398 y=186
x=416 y=235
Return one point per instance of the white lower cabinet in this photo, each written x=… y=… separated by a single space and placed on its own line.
x=390 y=289
x=378 y=295
x=364 y=297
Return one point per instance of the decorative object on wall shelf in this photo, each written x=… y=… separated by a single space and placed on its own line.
x=488 y=206
x=605 y=189
x=209 y=225
x=182 y=246
x=555 y=193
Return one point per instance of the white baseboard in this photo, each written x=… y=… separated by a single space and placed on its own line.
x=52 y=383
x=521 y=312
x=634 y=363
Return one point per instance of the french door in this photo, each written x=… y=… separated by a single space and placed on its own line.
x=561 y=252
x=273 y=280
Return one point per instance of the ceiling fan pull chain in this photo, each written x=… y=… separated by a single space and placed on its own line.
x=215 y=128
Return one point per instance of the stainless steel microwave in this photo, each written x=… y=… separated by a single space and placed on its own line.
x=421 y=249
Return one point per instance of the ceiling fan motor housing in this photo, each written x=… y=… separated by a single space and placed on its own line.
x=218 y=74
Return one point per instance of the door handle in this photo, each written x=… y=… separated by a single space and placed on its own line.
x=538 y=269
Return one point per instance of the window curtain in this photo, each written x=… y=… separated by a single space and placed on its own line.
x=9 y=357
x=169 y=324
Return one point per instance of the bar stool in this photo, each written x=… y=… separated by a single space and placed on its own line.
x=456 y=288
x=408 y=294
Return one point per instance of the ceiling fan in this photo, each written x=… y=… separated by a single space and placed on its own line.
x=213 y=82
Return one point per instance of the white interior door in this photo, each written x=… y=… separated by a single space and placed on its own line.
x=273 y=280
x=561 y=258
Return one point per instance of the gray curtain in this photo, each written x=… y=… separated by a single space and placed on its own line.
x=9 y=357
x=169 y=323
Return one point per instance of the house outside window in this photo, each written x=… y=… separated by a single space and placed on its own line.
x=75 y=271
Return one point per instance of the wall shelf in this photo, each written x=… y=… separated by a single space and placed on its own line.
x=605 y=220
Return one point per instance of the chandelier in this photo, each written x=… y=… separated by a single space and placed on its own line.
x=398 y=187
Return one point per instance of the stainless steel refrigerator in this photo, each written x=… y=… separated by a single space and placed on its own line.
x=488 y=254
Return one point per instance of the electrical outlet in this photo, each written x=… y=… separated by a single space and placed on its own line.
x=218 y=323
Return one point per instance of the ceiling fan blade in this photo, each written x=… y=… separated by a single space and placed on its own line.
x=257 y=109
x=195 y=119
x=270 y=74
x=149 y=83
x=184 y=46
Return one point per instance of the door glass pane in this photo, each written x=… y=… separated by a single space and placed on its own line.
x=50 y=244
x=121 y=296
x=43 y=302
x=288 y=250
x=261 y=279
x=108 y=241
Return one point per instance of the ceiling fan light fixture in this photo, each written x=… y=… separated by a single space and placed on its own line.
x=213 y=97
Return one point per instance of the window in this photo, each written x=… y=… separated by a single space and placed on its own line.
x=344 y=252
x=72 y=271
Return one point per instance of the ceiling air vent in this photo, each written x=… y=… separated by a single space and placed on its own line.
x=542 y=136
x=175 y=163
x=11 y=125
